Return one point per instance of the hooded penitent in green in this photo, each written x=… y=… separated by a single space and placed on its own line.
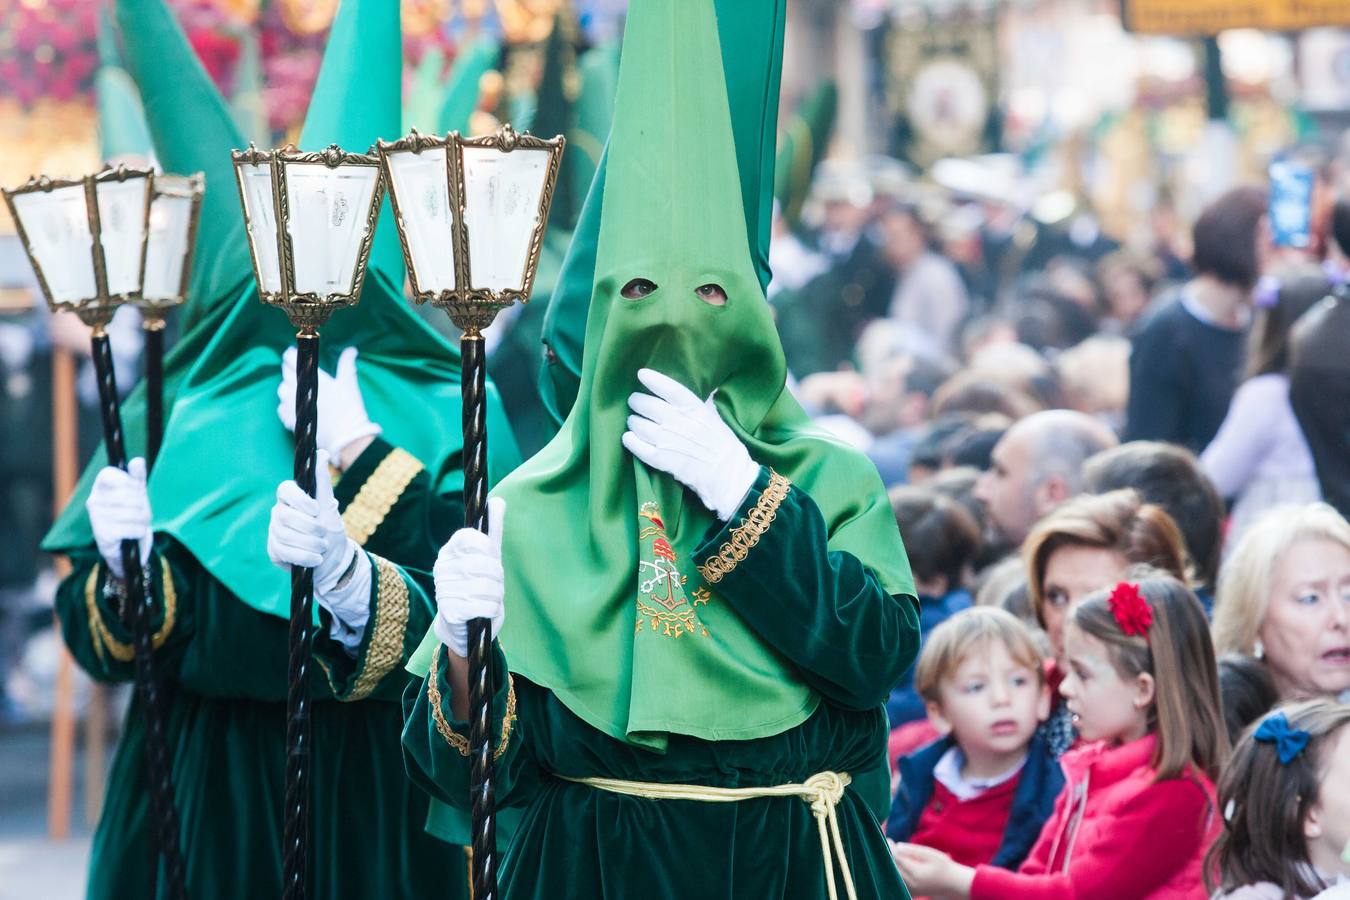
x=472 y=62
x=224 y=449
x=121 y=120
x=751 y=37
x=803 y=144
x=246 y=101
x=605 y=607
x=424 y=97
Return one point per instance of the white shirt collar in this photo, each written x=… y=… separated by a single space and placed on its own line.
x=948 y=774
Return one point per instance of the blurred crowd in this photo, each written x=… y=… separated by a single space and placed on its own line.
x=1054 y=414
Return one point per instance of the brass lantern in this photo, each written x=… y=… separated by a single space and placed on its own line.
x=471 y=215
x=171 y=232
x=484 y=199
x=86 y=238
x=310 y=220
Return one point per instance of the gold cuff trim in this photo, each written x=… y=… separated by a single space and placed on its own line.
x=102 y=637
x=388 y=624
x=746 y=535
x=379 y=493
x=454 y=738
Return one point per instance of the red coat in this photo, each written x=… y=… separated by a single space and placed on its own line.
x=1115 y=834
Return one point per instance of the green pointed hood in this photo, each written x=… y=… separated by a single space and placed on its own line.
x=599 y=71
x=193 y=132
x=461 y=96
x=246 y=103
x=358 y=99
x=224 y=449
x=752 y=56
x=424 y=100
x=647 y=647
x=556 y=113
x=802 y=146
x=121 y=119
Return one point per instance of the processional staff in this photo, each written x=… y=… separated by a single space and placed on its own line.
x=88 y=240
x=310 y=220
x=175 y=209
x=471 y=215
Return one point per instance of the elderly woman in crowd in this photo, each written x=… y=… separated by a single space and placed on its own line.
x=1084 y=545
x=1284 y=598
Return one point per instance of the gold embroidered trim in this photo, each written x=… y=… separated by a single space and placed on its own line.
x=745 y=536
x=388 y=624
x=379 y=493
x=102 y=637
x=454 y=738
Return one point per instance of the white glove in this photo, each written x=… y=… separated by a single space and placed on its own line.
x=307 y=531
x=119 y=510
x=342 y=412
x=678 y=433
x=469 y=585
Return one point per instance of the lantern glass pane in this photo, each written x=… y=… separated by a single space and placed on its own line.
x=421 y=185
x=170 y=221
x=501 y=212
x=256 y=182
x=56 y=223
x=326 y=219
x=121 y=223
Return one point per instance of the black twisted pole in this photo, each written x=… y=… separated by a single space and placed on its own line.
x=296 y=834
x=138 y=617
x=154 y=388
x=482 y=816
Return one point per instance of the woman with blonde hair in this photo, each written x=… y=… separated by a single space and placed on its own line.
x=1084 y=545
x=1284 y=598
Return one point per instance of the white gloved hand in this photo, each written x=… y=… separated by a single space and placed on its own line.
x=119 y=510
x=307 y=531
x=469 y=581
x=684 y=436
x=342 y=411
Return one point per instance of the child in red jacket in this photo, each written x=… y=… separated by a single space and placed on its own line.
x=1137 y=811
x=983 y=790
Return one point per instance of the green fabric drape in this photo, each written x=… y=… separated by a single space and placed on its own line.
x=224 y=449
x=664 y=653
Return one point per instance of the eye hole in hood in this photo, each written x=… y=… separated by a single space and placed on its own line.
x=711 y=294
x=638 y=288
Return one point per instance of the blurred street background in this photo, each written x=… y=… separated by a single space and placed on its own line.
x=952 y=176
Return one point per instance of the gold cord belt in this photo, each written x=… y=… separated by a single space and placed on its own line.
x=823 y=791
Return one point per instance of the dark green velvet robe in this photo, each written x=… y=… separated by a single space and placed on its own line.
x=223 y=667
x=849 y=640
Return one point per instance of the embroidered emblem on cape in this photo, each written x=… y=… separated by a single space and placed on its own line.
x=662 y=602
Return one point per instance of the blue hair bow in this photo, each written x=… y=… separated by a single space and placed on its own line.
x=1289 y=742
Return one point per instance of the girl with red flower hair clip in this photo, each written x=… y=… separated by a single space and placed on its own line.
x=1138 y=808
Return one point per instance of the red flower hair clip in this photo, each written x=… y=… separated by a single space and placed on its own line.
x=1131 y=610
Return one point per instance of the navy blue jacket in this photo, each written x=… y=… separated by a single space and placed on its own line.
x=905 y=704
x=1033 y=801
